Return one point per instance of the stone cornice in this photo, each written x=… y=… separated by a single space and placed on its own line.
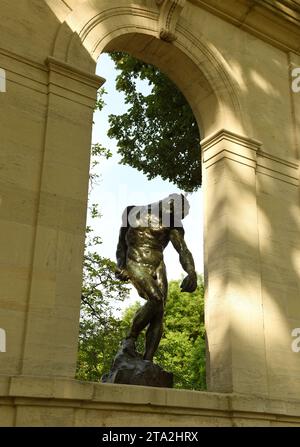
x=74 y=73
x=225 y=144
x=227 y=135
x=71 y=83
x=276 y=167
x=286 y=9
x=277 y=22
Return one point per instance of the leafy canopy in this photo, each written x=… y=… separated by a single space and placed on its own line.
x=158 y=135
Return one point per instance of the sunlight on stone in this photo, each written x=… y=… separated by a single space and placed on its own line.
x=263 y=84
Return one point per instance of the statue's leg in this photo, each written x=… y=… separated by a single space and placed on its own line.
x=140 y=321
x=154 y=332
x=142 y=318
x=148 y=288
x=155 y=328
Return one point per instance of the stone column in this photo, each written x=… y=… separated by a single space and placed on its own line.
x=234 y=315
x=52 y=317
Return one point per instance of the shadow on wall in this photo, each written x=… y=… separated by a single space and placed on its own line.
x=276 y=262
x=276 y=198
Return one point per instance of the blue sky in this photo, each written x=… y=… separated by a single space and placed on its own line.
x=120 y=186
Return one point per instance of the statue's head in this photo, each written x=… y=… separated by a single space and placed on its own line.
x=169 y=211
x=177 y=205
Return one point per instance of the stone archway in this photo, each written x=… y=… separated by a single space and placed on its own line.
x=250 y=153
x=205 y=80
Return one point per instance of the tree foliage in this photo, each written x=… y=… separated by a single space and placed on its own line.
x=182 y=349
x=158 y=135
x=99 y=334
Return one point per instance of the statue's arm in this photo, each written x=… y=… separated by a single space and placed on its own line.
x=185 y=256
x=121 y=254
x=122 y=249
x=189 y=284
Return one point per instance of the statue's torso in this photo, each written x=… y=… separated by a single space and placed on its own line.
x=147 y=241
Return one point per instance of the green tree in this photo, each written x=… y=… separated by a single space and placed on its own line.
x=182 y=348
x=100 y=330
x=99 y=333
x=158 y=135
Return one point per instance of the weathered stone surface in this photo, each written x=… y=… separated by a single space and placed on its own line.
x=64 y=402
x=238 y=80
x=131 y=369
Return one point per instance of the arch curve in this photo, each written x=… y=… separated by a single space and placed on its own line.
x=195 y=65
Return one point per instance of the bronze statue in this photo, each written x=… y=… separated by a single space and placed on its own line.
x=145 y=233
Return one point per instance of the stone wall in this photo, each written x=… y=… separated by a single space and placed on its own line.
x=233 y=62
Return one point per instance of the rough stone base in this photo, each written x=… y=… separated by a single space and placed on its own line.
x=42 y=401
x=133 y=370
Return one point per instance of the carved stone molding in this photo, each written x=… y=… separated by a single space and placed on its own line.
x=170 y=11
x=225 y=144
x=229 y=145
x=69 y=82
x=275 y=21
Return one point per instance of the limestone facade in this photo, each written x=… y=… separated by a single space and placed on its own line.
x=234 y=62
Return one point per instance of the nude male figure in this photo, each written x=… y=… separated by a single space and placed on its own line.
x=145 y=233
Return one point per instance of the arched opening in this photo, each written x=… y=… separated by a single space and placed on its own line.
x=179 y=68
x=213 y=111
x=118 y=188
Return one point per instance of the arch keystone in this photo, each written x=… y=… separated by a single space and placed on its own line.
x=170 y=11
